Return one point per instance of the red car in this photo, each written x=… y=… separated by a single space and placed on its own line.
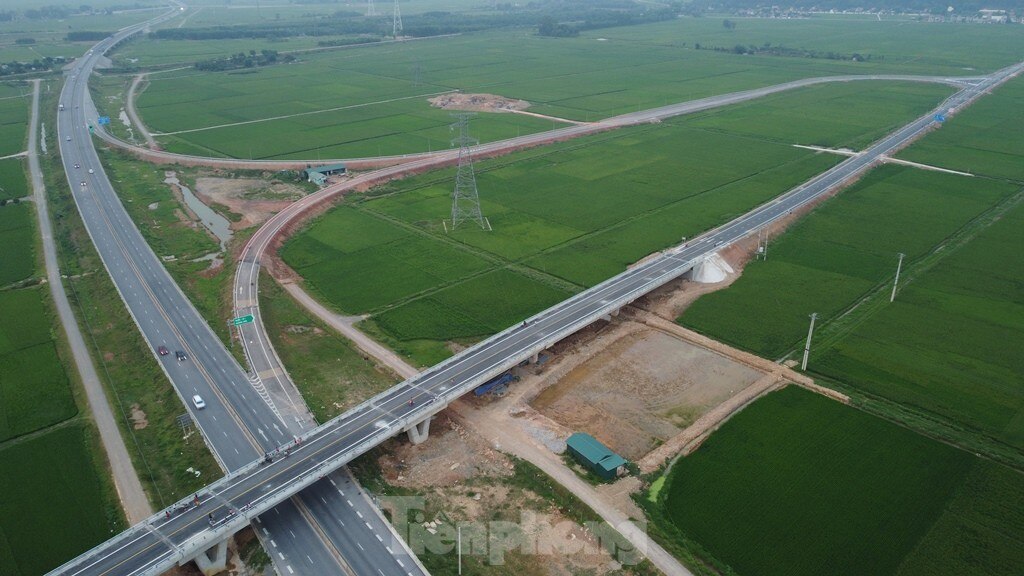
x=163 y=350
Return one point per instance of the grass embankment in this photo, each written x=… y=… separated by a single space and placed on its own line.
x=56 y=495
x=328 y=370
x=799 y=484
x=565 y=216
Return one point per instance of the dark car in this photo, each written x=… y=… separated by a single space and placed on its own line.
x=180 y=355
x=163 y=350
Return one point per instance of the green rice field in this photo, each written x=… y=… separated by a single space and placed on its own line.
x=986 y=139
x=835 y=256
x=55 y=502
x=561 y=219
x=950 y=343
x=17 y=236
x=797 y=484
x=368 y=100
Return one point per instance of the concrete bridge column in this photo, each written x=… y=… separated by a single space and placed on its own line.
x=608 y=317
x=419 y=431
x=213 y=560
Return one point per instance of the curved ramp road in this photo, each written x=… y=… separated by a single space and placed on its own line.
x=257 y=487
x=307 y=532
x=641 y=117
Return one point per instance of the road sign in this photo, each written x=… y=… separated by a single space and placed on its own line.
x=103 y=120
x=242 y=320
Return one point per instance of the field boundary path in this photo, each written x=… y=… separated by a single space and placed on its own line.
x=133 y=114
x=126 y=481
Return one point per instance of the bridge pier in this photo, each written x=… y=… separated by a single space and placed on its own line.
x=213 y=560
x=420 y=431
x=608 y=317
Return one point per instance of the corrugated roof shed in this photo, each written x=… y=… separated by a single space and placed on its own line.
x=594 y=454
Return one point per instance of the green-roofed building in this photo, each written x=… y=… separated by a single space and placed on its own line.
x=594 y=455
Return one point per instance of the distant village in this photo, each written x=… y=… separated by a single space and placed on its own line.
x=983 y=16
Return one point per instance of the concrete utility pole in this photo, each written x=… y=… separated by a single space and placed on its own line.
x=807 y=347
x=899 y=266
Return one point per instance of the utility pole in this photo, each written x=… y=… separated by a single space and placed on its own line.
x=371 y=10
x=899 y=266
x=807 y=347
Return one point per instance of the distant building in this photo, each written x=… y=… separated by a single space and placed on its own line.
x=594 y=455
x=319 y=174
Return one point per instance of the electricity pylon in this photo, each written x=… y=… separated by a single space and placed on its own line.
x=466 y=197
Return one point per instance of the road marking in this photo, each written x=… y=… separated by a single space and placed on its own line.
x=388 y=548
x=360 y=546
x=331 y=480
x=399 y=560
x=342 y=522
x=340 y=491
x=272 y=543
x=379 y=539
x=281 y=555
x=310 y=559
x=358 y=513
x=290 y=571
x=292 y=533
x=322 y=499
x=349 y=502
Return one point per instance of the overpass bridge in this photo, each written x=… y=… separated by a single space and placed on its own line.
x=230 y=503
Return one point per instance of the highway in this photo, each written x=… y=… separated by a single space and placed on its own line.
x=258 y=487
x=238 y=424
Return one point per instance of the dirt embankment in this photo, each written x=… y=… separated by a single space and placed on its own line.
x=255 y=200
x=477 y=102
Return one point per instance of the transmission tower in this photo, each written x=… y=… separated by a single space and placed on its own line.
x=465 y=198
x=397 y=21
x=371 y=10
x=417 y=74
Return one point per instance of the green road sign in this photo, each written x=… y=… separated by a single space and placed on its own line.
x=242 y=320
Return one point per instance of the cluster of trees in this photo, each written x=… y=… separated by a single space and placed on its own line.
x=558 y=18
x=769 y=50
x=86 y=36
x=38 y=65
x=349 y=41
x=899 y=6
x=243 y=60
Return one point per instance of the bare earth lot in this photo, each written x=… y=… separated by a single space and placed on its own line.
x=640 y=387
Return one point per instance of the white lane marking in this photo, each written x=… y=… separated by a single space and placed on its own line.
x=360 y=546
x=381 y=571
x=331 y=480
x=379 y=539
x=310 y=559
x=399 y=560
x=290 y=571
x=324 y=500
x=292 y=533
x=342 y=522
x=388 y=548
x=341 y=492
x=265 y=531
x=281 y=555
x=274 y=544
x=349 y=502
x=358 y=513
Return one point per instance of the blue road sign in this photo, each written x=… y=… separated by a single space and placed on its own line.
x=102 y=120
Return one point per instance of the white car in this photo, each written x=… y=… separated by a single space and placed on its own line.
x=197 y=400
x=68 y=138
x=90 y=171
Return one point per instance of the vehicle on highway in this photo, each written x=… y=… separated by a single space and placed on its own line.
x=68 y=138
x=719 y=243
x=78 y=165
x=83 y=183
x=162 y=350
x=197 y=400
x=90 y=171
x=180 y=355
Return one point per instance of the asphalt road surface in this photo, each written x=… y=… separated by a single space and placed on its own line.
x=259 y=486
x=237 y=423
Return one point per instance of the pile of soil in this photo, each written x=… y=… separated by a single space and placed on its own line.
x=477 y=102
